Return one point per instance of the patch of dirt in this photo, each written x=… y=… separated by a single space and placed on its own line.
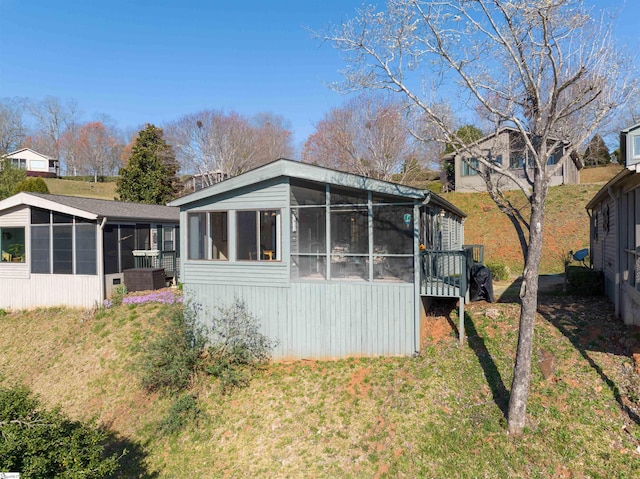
x=357 y=387
x=436 y=328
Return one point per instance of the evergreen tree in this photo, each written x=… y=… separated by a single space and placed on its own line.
x=467 y=134
x=597 y=152
x=10 y=177
x=151 y=173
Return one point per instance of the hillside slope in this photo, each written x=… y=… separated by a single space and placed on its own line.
x=85 y=189
x=566 y=225
x=378 y=417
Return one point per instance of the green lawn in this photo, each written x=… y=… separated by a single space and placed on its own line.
x=440 y=414
x=88 y=189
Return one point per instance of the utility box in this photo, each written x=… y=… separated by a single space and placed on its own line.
x=144 y=279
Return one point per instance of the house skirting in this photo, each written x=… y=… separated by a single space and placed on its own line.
x=323 y=320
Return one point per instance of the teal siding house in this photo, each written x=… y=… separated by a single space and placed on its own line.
x=332 y=264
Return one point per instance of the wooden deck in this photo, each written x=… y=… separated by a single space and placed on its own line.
x=447 y=274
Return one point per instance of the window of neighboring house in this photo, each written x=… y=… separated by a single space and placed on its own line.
x=497 y=160
x=62 y=244
x=12 y=245
x=553 y=158
x=143 y=236
x=516 y=159
x=635 y=139
x=470 y=167
x=257 y=235
x=167 y=238
x=19 y=163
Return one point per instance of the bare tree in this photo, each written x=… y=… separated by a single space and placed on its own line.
x=368 y=135
x=273 y=137
x=12 y=128
x=212 y=141
x=543 y=67
x=98 y=149
x=52 y=116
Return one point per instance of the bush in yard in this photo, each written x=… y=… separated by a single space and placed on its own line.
x=584 y=281
x=183 y=410
x=499 y=271
x=35 y=185
x=172 y=356
x=40 y=443
x=237 y=346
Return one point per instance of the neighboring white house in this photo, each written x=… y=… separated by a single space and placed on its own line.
x=615 y=230
x=506 y=148
x=71 y=251
x=36 y=164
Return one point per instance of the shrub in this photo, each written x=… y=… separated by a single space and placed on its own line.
x=499 y=271
x=584 y=281
x=35 y=185
x=172 y=356
x=41 y=443
x=183 y=410
x=237 y=346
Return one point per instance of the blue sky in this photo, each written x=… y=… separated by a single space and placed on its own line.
x=153 y=61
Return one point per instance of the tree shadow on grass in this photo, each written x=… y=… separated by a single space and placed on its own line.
x=591 y=326
x=489 y=368
x=477 y=344
x=132 y=462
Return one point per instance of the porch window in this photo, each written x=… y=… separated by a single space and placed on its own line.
x=353 y=236
x=309 y=242
x=349 y=241
x=208 y=235
x=197 y=231
x=12 y=245
x=257 y=234
x=393 y=242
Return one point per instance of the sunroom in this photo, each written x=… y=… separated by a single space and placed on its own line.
x=330 y=262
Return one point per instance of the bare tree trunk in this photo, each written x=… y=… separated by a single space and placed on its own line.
x=529 y=297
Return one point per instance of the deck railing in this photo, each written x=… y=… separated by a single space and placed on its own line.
x=448 y=272
x=168 y=260
x=477 y=250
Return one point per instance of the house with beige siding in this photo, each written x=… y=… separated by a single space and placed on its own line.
x=331 y=263
x=71 y=251
x=506 y=148
x=615 y=230
x=34 y=163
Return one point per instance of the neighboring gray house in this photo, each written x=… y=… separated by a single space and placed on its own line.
x=71 y=251
x=35 y=164
x=615 y=230
x=329 y=262
x=505 y=147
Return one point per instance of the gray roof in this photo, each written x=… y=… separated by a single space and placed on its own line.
x=294 y=169
x=116 y=209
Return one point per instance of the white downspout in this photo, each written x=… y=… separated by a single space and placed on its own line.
x=100 y=260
